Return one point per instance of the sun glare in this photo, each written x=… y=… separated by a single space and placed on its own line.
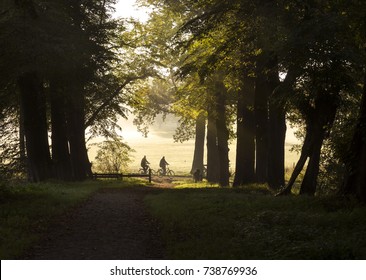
x=128 y=8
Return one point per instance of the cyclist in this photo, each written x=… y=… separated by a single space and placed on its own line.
x=163 y=163
x=145 y=164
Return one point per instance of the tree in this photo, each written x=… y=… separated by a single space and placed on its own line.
x=355 y=179
x=323 y=72
x=113 y=156
x=33 y=107
x=245 y=163
x=53 y=51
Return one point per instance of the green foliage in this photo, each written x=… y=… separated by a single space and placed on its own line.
x=113 y=156
x=154 y=98
x=245 y=224
x=152 y=44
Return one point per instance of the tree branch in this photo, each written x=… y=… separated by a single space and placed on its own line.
x=108 y=101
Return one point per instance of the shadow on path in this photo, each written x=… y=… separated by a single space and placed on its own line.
x=112 y=224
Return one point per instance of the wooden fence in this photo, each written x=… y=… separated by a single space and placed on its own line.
x=121 y=176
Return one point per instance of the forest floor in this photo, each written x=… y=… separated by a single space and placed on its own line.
x=111 y=224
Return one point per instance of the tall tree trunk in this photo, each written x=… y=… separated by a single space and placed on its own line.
x=212 y=149
x=305 y=151
x=245 y=146
x=60 y=144
x=308 y=185
x=262 y=92
x=222 y=134
x=22 y=148
x=199 y=144
x=355 y=178
x=276 y=145
x=277 y=127
x=33 y=106
x=277 y=134
x=80 y=164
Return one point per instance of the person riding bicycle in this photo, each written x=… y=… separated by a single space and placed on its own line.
x=163 y=163
x=145 y=164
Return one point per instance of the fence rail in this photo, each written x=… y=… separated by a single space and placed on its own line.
x=120 y=176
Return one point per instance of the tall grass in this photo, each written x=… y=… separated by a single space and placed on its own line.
x=250 y=223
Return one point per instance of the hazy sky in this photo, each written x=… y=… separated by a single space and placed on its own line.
x=127 y=8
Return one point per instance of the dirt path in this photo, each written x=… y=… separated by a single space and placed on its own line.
x=112 y=224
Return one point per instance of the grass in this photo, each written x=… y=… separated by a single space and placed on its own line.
x=249 y=223
x=26 y=211
x=200 y=221
x=190 y=184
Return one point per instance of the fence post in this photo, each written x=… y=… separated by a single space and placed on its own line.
x=150 y=175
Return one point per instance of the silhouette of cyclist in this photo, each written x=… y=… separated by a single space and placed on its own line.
x=163 y=163
x=145 y=164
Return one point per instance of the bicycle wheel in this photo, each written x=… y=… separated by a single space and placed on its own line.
x=160 y=172
x=171 y=173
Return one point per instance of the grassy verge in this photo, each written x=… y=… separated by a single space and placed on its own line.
x=27 y=210
x=214 y=223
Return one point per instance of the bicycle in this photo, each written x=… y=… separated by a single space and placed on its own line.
x=144 y=171
x=169 y=172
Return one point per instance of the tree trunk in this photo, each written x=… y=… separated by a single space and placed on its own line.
x=222 y=134
x=308 y=185
x=33 y=107
x=277 y=131
x=22 y=148
x=245 y=146
x=276 y=155
x=262 y=92
x=60 y=145
x=323 y=119
x=80 y=164
x=199 y=144
x=305 y=151
x=277 y=136
x=212 y=150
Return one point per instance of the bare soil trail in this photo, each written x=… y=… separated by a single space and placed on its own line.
x=111 y=224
